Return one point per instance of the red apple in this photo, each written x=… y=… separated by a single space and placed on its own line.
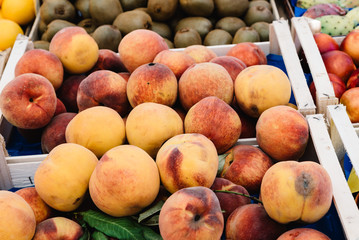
x=229 y=201
x=353 y=80
x=28 y=101
x=325 y=42
x=350 y=45
x=337 y=83
x=339 y=63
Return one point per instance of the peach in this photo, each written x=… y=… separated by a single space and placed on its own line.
x=187 y=160
x=350 y=99
x=97 y=128
x=103 y=88
x=248 y=123
x=294 y=191
x=54 y=133
x=178 y=62
x=282 y=133
x=229 y=201
x=41 y=62
x=339 y=63
x=251 y=222
x=303 y=234
x=203 y=80
x=62 y=178
x=350 y=45
x=246 y=165
x=28 y=101
x=67 y=93
x=140 y=47
x=233 y=65
x=60 y=107
x=125 y=75
x=200 y=53
x=125 y=181
x=191 y=213
x=41 y=210
x=353 y=80
x=58 y=228
x=17 y=217
x=325 y=42
x=337 y=83
x=260 y=87
x=149 y=125
x=216 y=120
x=75 y=48
x=152 y=82
x=108 y=60
x=249 y=53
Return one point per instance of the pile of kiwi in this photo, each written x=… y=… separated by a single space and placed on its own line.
x=181 y=22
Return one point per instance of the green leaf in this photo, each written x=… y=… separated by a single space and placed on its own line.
x=118 y=227
x=152 y=221
x=221 y=161
x=86 y=233
x=96 y=235
x=151 y=211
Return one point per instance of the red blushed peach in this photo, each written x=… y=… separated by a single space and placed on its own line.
x=75 y=48
x=246 y=165
x=353 y=80
x=178 y=62
x=67 y=93
x=200 y=53
x=216 y=120
x=251 y=222
x=283 y=133
x=233 y=65
x=103 y=88
x=325 y=42
x=54 y=133
x=60 y=107
x=339 y=63
x=153 y=82
x=58 y=228
x=28 y=101
x=350 y=99
x=249 y=53
x=191 y=213
x=248 y=123
x=125 y=75
x=41 y=62
x=303 y=234
x=229 y=201
x=294 y=191
x=108 y=60
x=140 y=47
x=337 y=83
x=41 y=210
x=350 y=45
x=203 y=80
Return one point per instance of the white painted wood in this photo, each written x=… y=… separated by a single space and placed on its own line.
x=22 y=174
x=324 y=89
x=4 y=56
x=274 y=10
x=5 y=177
x=343 y=199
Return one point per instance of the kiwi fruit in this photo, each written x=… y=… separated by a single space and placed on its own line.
x=217 y=37
x=40 y=44
x=162 y=10
x=231 y=8
x=104 y=11
x=246 y=34
x=83 y=8
x=132 y=20
x=260 y=3
x=88 y=24
x=128 y=5
x=230 y=24
x=169 y=43
x=186 y=37
x=107 y=37
x=201 y=8
x=201 y=24
x=263 y=29
x=57 y=9
x=162 y=29
x=53 y=27
x=42 y=27
x=258 y=14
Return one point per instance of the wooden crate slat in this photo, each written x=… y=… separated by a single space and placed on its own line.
x=343 y=199
x=22 y=174
x=324 y=89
